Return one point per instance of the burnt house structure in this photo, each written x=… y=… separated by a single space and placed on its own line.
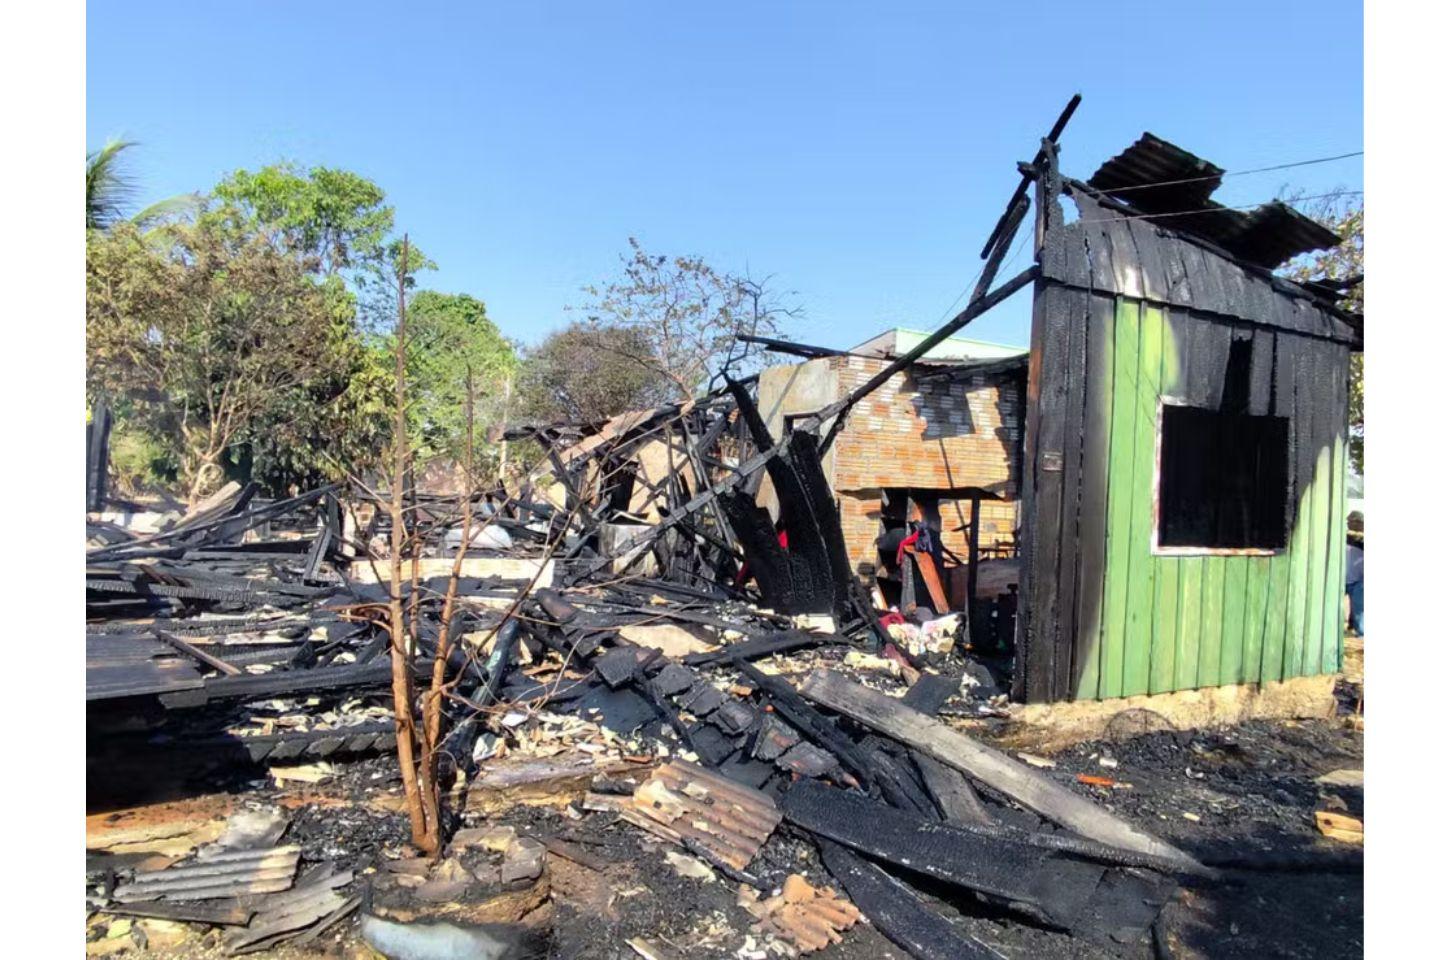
x=1176 y=450
x=1183 y=487
x=942 y=436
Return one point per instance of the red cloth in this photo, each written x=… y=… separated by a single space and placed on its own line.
x=907 y=542
x=781 y=538
x=890 y=617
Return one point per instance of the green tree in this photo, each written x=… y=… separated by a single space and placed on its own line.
x=331 y=426
x=454 y=349
x=337 y=222
x=336 y=218
x=588 y=372
x=1342 y=263
x=689 y=315
x=198 y=342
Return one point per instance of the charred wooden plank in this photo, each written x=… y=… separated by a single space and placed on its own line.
x=1093 y=498
x=897 y=912
x=761 y=646
x=997 y=770
x=1052 y=889
x=952 y=792
x=197 y=654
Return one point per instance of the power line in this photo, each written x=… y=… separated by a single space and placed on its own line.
x=1220 y=208
x=1235 y=173
x=1168 y=183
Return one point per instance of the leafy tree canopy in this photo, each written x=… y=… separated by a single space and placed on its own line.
x=201 y=343
x=336 y=216
x=589 y=372
x=687 y=315
x=455 y=355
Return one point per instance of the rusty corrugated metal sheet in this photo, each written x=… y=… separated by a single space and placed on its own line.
x=225 y=875
x=1160 y=179
x=1153 y=160
x=686 y=803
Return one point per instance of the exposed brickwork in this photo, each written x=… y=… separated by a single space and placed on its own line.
x=943 y=434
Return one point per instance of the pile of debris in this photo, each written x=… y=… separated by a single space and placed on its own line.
x=261 y=630
x=635 y=641
x=670 y=698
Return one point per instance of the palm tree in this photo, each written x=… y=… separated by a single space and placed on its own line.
x=108 y=189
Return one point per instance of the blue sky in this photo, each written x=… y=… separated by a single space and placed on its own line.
x=857 y=152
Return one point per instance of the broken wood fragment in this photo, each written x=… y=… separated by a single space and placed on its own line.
x=1052 y=889
x=992 y=767
x=809 y=917
x=1338 y=826
x=898 y=913
x=951 y=791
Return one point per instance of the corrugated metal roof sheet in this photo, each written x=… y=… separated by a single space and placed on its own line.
x=1159 y=178
x=225 y=875
x=687 y=803
x=1153 y=160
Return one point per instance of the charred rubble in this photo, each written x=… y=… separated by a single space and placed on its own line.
x=249 y=636
x=730 y=662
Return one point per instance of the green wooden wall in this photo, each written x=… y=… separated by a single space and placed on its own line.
x=1152 y=623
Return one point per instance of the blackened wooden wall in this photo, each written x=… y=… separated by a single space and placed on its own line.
x=1126 y=318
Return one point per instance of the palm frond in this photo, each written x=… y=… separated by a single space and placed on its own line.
x=108 y=188
x=181 y=206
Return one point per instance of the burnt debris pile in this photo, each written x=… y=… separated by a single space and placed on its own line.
x=716 y=675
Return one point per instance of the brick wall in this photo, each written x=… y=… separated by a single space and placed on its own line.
x=964 y=431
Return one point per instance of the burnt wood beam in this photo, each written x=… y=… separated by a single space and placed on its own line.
x=980 y=303
x=994 y=768
x=1021 y=192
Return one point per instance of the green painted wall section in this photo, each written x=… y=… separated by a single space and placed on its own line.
x=1168 y=623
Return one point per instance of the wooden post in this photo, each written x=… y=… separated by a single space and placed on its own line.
x=973 y=545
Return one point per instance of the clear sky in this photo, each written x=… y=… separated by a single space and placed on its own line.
x=857 y=152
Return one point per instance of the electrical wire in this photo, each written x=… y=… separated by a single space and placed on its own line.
x=1218 y=209
x=1167 y=183
x=1236 y=173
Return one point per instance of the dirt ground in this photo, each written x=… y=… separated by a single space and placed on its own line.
x=1240 y=797
x=1246 y=793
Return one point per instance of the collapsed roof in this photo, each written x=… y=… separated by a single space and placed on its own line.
x=1174 y=187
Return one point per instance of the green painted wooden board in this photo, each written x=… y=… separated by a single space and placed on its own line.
x=1120 y=485
x=1162 y=664
x=1190 y=622
x=1142 y=565
x=1294 y=625
x=1295 y=633
x=1276 y=623
x=1333 y=650
x=1256 y=614
x=1319 y=547
x=1163 y=658
x=1235 y=600
x=1210 y=642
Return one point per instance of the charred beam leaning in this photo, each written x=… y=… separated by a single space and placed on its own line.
x=996 y=769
